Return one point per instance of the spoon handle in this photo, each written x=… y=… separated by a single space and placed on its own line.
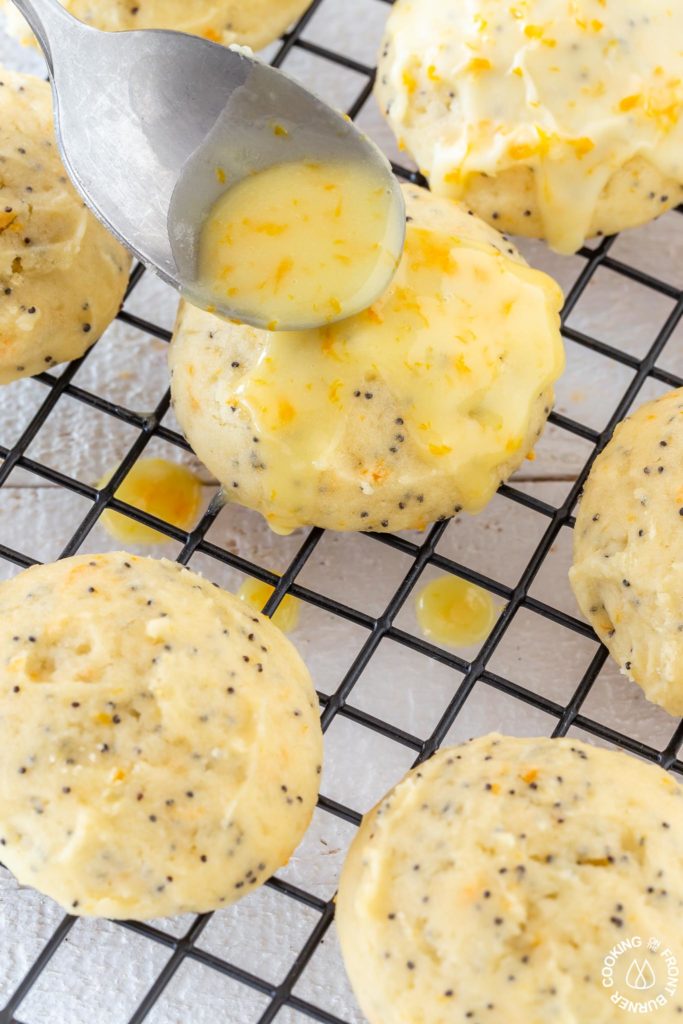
x=49 y=21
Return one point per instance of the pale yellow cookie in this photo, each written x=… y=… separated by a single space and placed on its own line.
x=62 y=275
x=495 y=884
x=253 y=23
x=396 y=417
x=552 y=119
x=628 y=549
x=160 y=742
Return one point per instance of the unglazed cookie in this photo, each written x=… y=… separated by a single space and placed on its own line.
x=549 y=118
x=62 y=275
x=160 y=742
x=252 y=23
x=628 y=549
x=490 y=885
x=398 y=416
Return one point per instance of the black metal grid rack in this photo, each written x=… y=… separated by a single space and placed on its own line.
x=340 y=703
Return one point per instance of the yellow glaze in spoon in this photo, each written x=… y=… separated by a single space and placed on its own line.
x=302 y=242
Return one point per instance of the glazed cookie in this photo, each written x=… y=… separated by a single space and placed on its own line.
x=160 y=742
x=62 y=275
x=628 y=549
x=253 y=23
x=391 y=419
x=552 y=119
x=490 y=885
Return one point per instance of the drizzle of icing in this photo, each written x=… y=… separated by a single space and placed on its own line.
x=571 y=88
x=457 y=321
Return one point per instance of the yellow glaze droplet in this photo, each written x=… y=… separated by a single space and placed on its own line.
x=164 y=489
x=255 y=593
x=301 y=242
x=452 y=611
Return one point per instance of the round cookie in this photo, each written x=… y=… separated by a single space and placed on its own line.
x=62 y=275
x=627 y=574
x=253 y=23
x=490 y=885
x=551 y=119
x=160 y=742
x=391 y=419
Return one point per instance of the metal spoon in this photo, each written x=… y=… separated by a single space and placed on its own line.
x=144 y=118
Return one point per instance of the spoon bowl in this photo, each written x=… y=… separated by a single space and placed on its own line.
x=144 y=118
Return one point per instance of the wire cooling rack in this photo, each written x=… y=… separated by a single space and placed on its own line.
x=182 y=945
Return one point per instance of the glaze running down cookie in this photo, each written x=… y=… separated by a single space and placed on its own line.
x=627 y=574
x=160 y=742
x=62 y=275
x=560 y=119
x=393 y=418
x=491 y=883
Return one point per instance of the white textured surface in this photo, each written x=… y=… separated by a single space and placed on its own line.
x=102 y=972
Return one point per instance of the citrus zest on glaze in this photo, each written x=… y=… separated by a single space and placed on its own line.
x=574 y=90
x=300 y=242
x=256 y=594
x=491 y=315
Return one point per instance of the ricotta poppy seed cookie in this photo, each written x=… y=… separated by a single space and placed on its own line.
x=493 y=882
x=551 y=119
x=627 y=574
x=62 y=275
x=393 y=418
x=252 y=23
x=160 y=743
